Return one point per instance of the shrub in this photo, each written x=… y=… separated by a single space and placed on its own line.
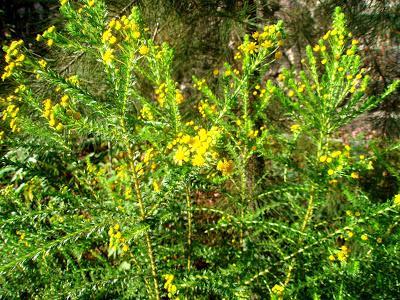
x=122 y=185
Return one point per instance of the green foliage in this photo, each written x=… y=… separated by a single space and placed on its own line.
x=131 y=193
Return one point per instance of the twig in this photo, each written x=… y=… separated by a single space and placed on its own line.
x=72 y=62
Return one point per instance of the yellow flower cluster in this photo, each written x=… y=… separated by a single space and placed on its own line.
x=396 y=200
x=337 y=160
x=269 y=38
x=64 y=100
x=161 y=94
x=341 y=255
x=199 y=84
x=258 y=91
x=225 y=167
x=179 y=98
x=206 y=109
x=14 y=58
x=356 y=82
x=47 y=34
x=252 y=133
x=340 y=161
x=197 y=148
x=295 y=128
x=123 y=29
x=12 y=110
x=171 y=288
x=21 y=238
x=108 y=56
x=48 y=113
x=117 y=241
x=278 y=289
x=144 y=50
x=146 y=114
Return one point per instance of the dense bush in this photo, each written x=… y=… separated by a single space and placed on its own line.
x=239 y=188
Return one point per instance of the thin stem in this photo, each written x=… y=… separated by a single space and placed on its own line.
x=139 y=198
x=135 y=176
x=310 y=207
x=189 y=237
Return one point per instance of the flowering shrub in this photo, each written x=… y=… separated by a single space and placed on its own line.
x=126 y=191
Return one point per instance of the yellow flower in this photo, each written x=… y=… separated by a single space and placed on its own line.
x=91 y=3
x=295 y=128
x=364 y=237
x=250 y=48
x=50 y=42
x=108 y=56
x=51 y=29
x=278 y=289
x=278 y=55
x=266 y=44
x=63 y=2
x=290 y=93
x=112 y=40
x=336 y=154
x=59 y=127
x=64 y=100
x=331 y=257
x=350 y=234
x=52 y=121
x=323 y=158
x=225 y=166
x=198 y=160
x=396 y=199
x=354 y=175
x=125 y=248
x=144 y=50
x=215 y=72
x=331 y=172
x=179 y=97
x=106 y=36
x=252 y=134
x=181 y=155
x=341 y=256
x=156 y=187
x=136 y=34
x=42 y=63
x=316 y=48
